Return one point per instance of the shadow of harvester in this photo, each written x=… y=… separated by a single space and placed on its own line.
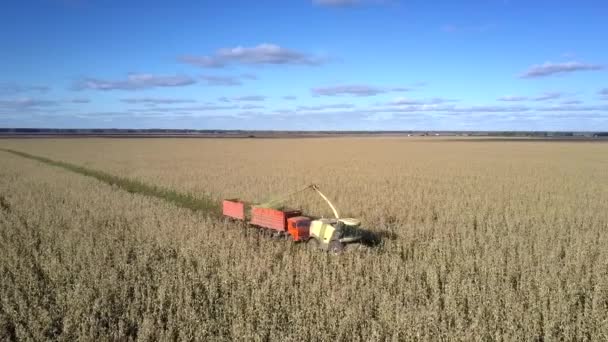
x=371 y=238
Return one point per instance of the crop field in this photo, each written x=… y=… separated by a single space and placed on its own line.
x=476 y=240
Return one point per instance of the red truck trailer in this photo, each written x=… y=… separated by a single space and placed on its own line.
x=234 y=208
x=288 y=221
x=272 y=218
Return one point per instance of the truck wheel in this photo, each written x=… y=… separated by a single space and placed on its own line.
x=278 y=235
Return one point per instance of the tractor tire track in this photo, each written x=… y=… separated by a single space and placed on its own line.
x=204 y=204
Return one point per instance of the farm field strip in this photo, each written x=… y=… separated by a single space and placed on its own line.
x=203 y=204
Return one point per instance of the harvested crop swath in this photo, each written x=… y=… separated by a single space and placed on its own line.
x=200 y=202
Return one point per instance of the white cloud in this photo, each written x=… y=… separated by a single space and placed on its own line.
x=543 y=97
x=134 y=81
x=549 y=96
x=325 y=107
x=251 y=106
x=262 y=54
x=400 y=101
x=214 y=80
x=512 y=98
x=355 y=90
x=221 y=80
x=155 y=100
x=249 y=98
x=549 y=68
x=14 y=88
x=571 y=102
x=203 y=108
x=26 y=103
x=79 y=100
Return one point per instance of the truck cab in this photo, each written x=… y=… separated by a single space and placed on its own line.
x=299 y=228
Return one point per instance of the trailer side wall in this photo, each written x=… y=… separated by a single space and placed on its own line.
x=233 y=208
x=272 y=218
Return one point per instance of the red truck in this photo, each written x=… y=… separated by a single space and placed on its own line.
x=282 y=222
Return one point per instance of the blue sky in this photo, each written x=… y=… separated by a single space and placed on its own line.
x=305 y=64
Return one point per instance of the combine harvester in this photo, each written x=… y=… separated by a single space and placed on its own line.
x=328 y=234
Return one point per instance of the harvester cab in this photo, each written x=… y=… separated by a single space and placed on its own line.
x=333 y=234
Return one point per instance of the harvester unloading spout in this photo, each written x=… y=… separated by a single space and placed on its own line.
x=346 y=221
x=316 y=188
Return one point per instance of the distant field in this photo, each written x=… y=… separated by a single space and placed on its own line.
x=482 y=240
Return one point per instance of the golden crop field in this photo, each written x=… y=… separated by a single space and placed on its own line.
x=479 y=240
